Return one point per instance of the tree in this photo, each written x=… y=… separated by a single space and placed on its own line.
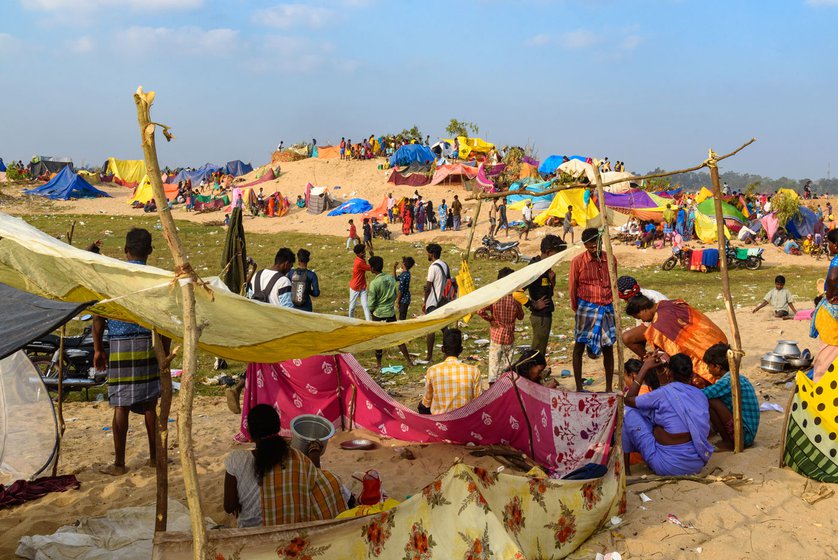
x=411 y=135
x=461 y=128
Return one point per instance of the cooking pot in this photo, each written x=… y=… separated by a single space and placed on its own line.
x=787 y=348
x=773 y=362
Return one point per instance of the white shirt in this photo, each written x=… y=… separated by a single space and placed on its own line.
x=391 y=202
x=280 y=294
x=745 y=232
x=437 y=276
x=239 y=464
x=527 y=212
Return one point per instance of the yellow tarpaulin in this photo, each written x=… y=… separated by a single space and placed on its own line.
x=469 y=146
x=581 y=212
x=127 y=170
x=703 y=195
x=235 y=328
x=705 y=228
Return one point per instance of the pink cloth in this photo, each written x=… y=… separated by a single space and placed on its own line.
x=804 y=314
x=569 y=429
x=770 y=223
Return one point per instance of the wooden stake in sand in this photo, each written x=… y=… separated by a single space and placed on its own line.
x=164 y=407
x=187 y=278
x=734 y=355
x=473 y=227
x=62 y=426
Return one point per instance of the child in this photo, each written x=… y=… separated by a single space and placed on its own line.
x=403 y=279
x=352 y=240
x=449 y=221
x=721 y=399
x=632 y=368
x=501 y=316
x=368 y=235
x=780 y=299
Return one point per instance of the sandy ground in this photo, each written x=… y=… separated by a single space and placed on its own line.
x=765 y=516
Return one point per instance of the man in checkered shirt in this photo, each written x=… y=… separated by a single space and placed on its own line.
x=450 y=384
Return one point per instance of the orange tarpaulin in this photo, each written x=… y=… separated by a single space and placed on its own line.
x=528 y=170
x=379 y=211
x=328 y=152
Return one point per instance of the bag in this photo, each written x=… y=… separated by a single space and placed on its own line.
x=450 y=290
x=299 y=287
x=264 y=295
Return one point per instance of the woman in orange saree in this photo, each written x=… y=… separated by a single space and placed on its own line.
x=676 y=327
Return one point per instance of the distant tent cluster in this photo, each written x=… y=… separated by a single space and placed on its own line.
x=47 y=166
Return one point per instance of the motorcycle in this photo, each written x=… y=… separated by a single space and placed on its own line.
x=495 y=250
x=381 y=230
x=753 y=261
x=77 y=362
x=679 y=256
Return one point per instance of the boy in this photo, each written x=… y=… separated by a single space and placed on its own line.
x=721 y=399
x=367 y=228
x=403 y=279
x=358 y=283
x=352 y=240
x=780 y=299
x=501 y=316
x=382 y=302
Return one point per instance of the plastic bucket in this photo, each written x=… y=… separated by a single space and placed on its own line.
x=307 y=428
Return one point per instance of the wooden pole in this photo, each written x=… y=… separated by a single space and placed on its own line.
x=473 y=227
x=62 y=426
x=164 y=407
x=618 y=323
x=191 y=331
x=734 y=355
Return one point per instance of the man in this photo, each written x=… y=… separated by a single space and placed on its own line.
x=681 y=220
x=501 y=316
x=438 y=274
x=746 y=234
x=456 y=209
x=780 y=299
x=133 y=374
x=540 y=292
x=668 y=215
x=634 y=338
x=590 y=298
x=304 y=282
x=358 y=283
x=567 y=224
x=526 y=212
x=381 y=295
x=493 y=217
x=391 y=203
x=342 y=147
x=450 y=384
x=503 y=222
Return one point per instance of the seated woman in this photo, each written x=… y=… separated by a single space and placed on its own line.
x=668 y=426
x=275 y=484
x=676 y=327
x=631 y=371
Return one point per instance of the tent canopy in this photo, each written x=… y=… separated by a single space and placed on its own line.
x=553 y=162
x=583 y=211
x=453 y=173
x=144 y=193
x=578 y=169
x=410 y=153
x=473 y=146
x=517 y=201
x=729 y=211
x=67 y=185
x=46 y=165
x=198 y=175
x=237 y=168
x=443 y=148
x=352 y=206
x=127 y=172
x=703 y=195
x=803 y=224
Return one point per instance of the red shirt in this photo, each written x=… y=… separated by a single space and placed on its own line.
x=353 y=232
x=502 y=316
x=588 y=280
x=359 y=275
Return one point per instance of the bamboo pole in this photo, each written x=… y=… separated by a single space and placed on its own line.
x=618 y=323
x=164 y=407
x=734 y=355
x=191 y=330
x=473 y=227
x=62 y=426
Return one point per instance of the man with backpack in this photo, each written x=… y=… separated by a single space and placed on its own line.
x=382 y=301
x=440 y=288
x=304 y=283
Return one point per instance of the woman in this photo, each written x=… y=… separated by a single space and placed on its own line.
x=676 y=327
x=429 y=214
x=420 y=216
x=668 y=426
x=407 y=218
x=531 y=366
x=825 y=317
x=275 y=484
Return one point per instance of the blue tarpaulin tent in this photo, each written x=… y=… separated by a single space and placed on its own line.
x=198 y=175
x=352 y=206
x=237 y=168
x=552 y=163
x=67 y=185
x=803 y=224
x=538 y=202
x=2 y=165
x=412 y=153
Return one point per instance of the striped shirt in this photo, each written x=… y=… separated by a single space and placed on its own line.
x=588 y=280
x=502 y=316
x=450 y=385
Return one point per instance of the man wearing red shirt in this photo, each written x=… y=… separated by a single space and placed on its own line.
x=358 y=284
x=590 y=298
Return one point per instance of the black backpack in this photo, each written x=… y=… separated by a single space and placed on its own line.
x=299 y=287
x=263 y=295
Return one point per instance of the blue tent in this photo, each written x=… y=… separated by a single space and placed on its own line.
x=552 y=163
x=410 y=153
x=237 y=168
x=538 y=202
x=352 y=206
x=67 y=185
x=803 y=224
x=2 y=166
x=198 y=175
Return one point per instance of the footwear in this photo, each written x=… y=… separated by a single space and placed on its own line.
x=233 y=401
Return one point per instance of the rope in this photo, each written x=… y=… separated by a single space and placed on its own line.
x=712 y=159
x=117 y=298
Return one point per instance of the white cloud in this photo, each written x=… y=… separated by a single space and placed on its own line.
x=94 y=5
x=298 y=55
x=822 y=2
x=82 y=45
x=580 y=39
x=180 y=40
x=631 y=42
x=539 y=40
x=288 y=16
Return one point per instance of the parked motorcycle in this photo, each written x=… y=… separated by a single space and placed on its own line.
x=78 y=356
x=495 y=250
x=753 y=261
x=679 y=256
x=380 y=229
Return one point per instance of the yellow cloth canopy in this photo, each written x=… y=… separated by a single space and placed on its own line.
x=705 y=228
x=703 y=195
x=469 y=146
x=581 y=212
x=127 y=170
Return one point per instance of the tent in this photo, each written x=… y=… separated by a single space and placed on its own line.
x=705 y=228
x=453 y=173
x=617 y=188
x=473 y=146
x=578 y=170
x=549 y=165
x=197 y=175
x=416 y=179
x=328 y=152
x=144 y=193
x=803 y=224
x=410 y=153
x=379 y=211
x=443 y=149
x=517 y=201
x=125 y=172
x=211 y=203
x=703 y=195
x=639 y=203
x=318 y=199
x=528 y=170
x=2 y=166
x=90 y=176
x=583 y=210
x=28 y=428
x=67 y=185
x=734 y=219
x=352 y=206
x=46 y=165
x=237 y=168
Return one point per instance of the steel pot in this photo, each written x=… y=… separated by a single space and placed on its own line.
x=799 y=363
x=787 y=348
x=773 y=362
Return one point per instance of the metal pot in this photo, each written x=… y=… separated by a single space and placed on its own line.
x=787 y=348
x=807 y=355
x=799 y=363
x=773 y=362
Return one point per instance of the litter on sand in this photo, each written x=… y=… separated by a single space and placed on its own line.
x=675 y=521
x=766 y=406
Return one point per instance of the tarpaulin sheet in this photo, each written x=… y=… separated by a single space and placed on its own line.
x=196 y=176
x=66 y=185
x=410 y=153
x=352 y=206
x=410 y=179
x=237 y=168
x=33 y=261
x=144 y=193
x=517 y=201
x=472 y=146
x=582 y=211
x=328 y=152
x=453 y=172
x=126 y=172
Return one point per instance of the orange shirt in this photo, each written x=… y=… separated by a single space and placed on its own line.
x=359 y=275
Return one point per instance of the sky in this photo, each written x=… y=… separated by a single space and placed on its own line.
x=653 y=83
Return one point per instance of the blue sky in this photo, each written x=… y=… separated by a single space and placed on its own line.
x=650 y=82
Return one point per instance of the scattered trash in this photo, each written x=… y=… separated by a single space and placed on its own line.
x=675 y=521
x=616 y=521
x=565 y=373
x=392 y=369
x=813 y=497
x=588 y=382
x=644 y=498
x=482 y=341
x=106 y=429
x=175 y=386
x=610 y=556
x=420 y=362
x=766 y=406
x=177 y=372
